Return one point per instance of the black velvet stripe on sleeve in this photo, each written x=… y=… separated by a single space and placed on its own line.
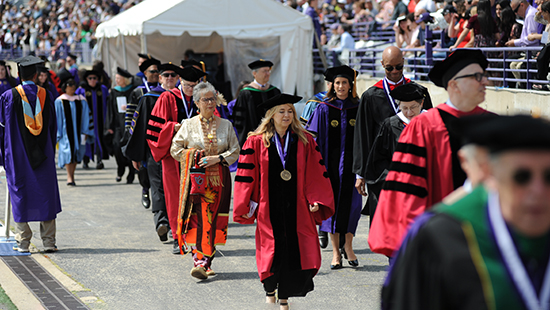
x=152 y=138
x=409 y=168
x=406 y=188
x=157 y=119
x=459 y=176
x=411 y=149
x=247 y=151
x=153 y=128
x=248 y=166
x=240 y=178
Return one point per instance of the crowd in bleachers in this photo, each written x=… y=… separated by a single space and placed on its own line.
x=455 y=24
x=54 y=27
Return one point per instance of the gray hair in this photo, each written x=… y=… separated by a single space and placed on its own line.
x=201 y=89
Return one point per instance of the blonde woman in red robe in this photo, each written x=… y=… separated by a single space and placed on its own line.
x=282 y=183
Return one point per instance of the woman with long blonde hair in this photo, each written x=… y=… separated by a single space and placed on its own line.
x=282 y=183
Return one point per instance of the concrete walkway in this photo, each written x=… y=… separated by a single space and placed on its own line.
x=111 y=258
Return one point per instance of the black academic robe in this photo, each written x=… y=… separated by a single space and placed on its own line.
x=379 y=160
x=245 y=114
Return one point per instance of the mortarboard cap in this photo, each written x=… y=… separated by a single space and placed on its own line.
x=27 y=64
x=73 y=56
x=42 y=69
x=63 y=75
x=145 y=56
x=442 y=72
x=340 y=71
x=449 y=8
x=505 y=133
x=278 y=100
x=190 y=73
x=190 y=62
x=91 y=72
x=409 y=92
x=169 y=67
x=147 y=63
x=260 y=64
x=123 y=72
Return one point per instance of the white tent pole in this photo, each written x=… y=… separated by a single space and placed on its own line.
x=108 y=54
x=124 y=52
x=7 y=213
x=144 y=43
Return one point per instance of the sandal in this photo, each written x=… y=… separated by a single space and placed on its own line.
x=270 y=297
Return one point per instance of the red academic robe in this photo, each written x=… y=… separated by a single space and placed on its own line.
x=424 y=170
x=164 y=117
x=252 y=183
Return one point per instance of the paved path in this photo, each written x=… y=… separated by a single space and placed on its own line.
x=109 y=246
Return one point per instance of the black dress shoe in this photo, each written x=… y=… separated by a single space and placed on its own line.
x=71 y=184
x=323 y=239
x=85 y=165
x=353 y=263
x=162 y=231
x=118 y=179
x=100 y=165
x=337 y=266
x=145 y=201
x=176 y=248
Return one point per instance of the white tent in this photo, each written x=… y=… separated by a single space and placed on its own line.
x=245 y=30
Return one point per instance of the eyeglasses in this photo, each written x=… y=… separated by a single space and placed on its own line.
x=169 y=74
x=390 y=68
x=412 y=108
x=207 y=100
x=478 y=76
x=188 y=85
x=523 y=176
x=92 y=78
x=153 y=71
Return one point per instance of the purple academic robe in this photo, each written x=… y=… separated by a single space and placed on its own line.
x=99 y=114
x=34 y=192
x=334 y=123
x=74 y=72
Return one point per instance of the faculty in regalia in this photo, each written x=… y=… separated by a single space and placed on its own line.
x=490 y=249
x=409 y=98
x=43 y=79
x=74 y=128
x=73 y=67
x=209 y=142
x=246 y=115
x=97 y=96
x=425 y=167
x=116 y=113
x=138 y=150
x=333 y=121
x=171 y=109
x=376 y=105
x=282 y=183
x=28 y=138
x=6 y=80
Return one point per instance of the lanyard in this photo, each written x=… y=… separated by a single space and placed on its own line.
x=513 y=262
x=188 y=110
x=387 y=92
x=282 y=153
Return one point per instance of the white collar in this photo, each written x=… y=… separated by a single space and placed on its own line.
x=404 y=118
x=261 y=85
x=393 y=83
x=449 y=103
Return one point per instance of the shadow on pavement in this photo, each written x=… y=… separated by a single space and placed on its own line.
x=223 y=276
x=100 y=251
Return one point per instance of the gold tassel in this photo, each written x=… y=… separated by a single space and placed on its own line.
x=354 y=91
x=203 y=70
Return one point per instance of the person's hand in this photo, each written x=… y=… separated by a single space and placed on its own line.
x=110 y=131
x=452 y=48
x=314 y=207
x=510 y=43
x=245 y=216
x=136 y=164
x=209 y=161
x=177 y=127
x=360 y=186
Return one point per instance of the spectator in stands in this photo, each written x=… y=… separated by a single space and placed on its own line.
x=346 y=41
x=403 y=35
x=385 y=13
x=428 y=5
x=523 y=9
x=507 y=19
x=543 y=58
x=460 y=21
x=422 y=21
x=399 y=9
x=334 y=40
x=483 y=25
x=361 y=15
x=311 y=11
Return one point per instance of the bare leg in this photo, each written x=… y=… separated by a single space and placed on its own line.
x=70 y=172
x=270 y=298
x=335 y=240
x=283 y=304
x=348 y=247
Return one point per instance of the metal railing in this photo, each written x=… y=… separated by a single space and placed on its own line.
x=82 y=50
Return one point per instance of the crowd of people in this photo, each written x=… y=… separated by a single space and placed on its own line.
x=442 y=183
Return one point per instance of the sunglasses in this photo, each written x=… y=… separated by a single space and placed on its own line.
x=207 y=100
x=523 y=176
x=390 y=68
x=169 y=74
x=478 y=76
x=92 y=78
x=517 y=8
x=153 y=71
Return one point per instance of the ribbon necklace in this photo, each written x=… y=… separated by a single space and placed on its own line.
x=387 y=92
x=188 y=111
x=33 y=121
x=145 y=83
x=513 y=262
x=285 y=174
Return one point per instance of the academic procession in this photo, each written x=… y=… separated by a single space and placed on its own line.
x=215 y=172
